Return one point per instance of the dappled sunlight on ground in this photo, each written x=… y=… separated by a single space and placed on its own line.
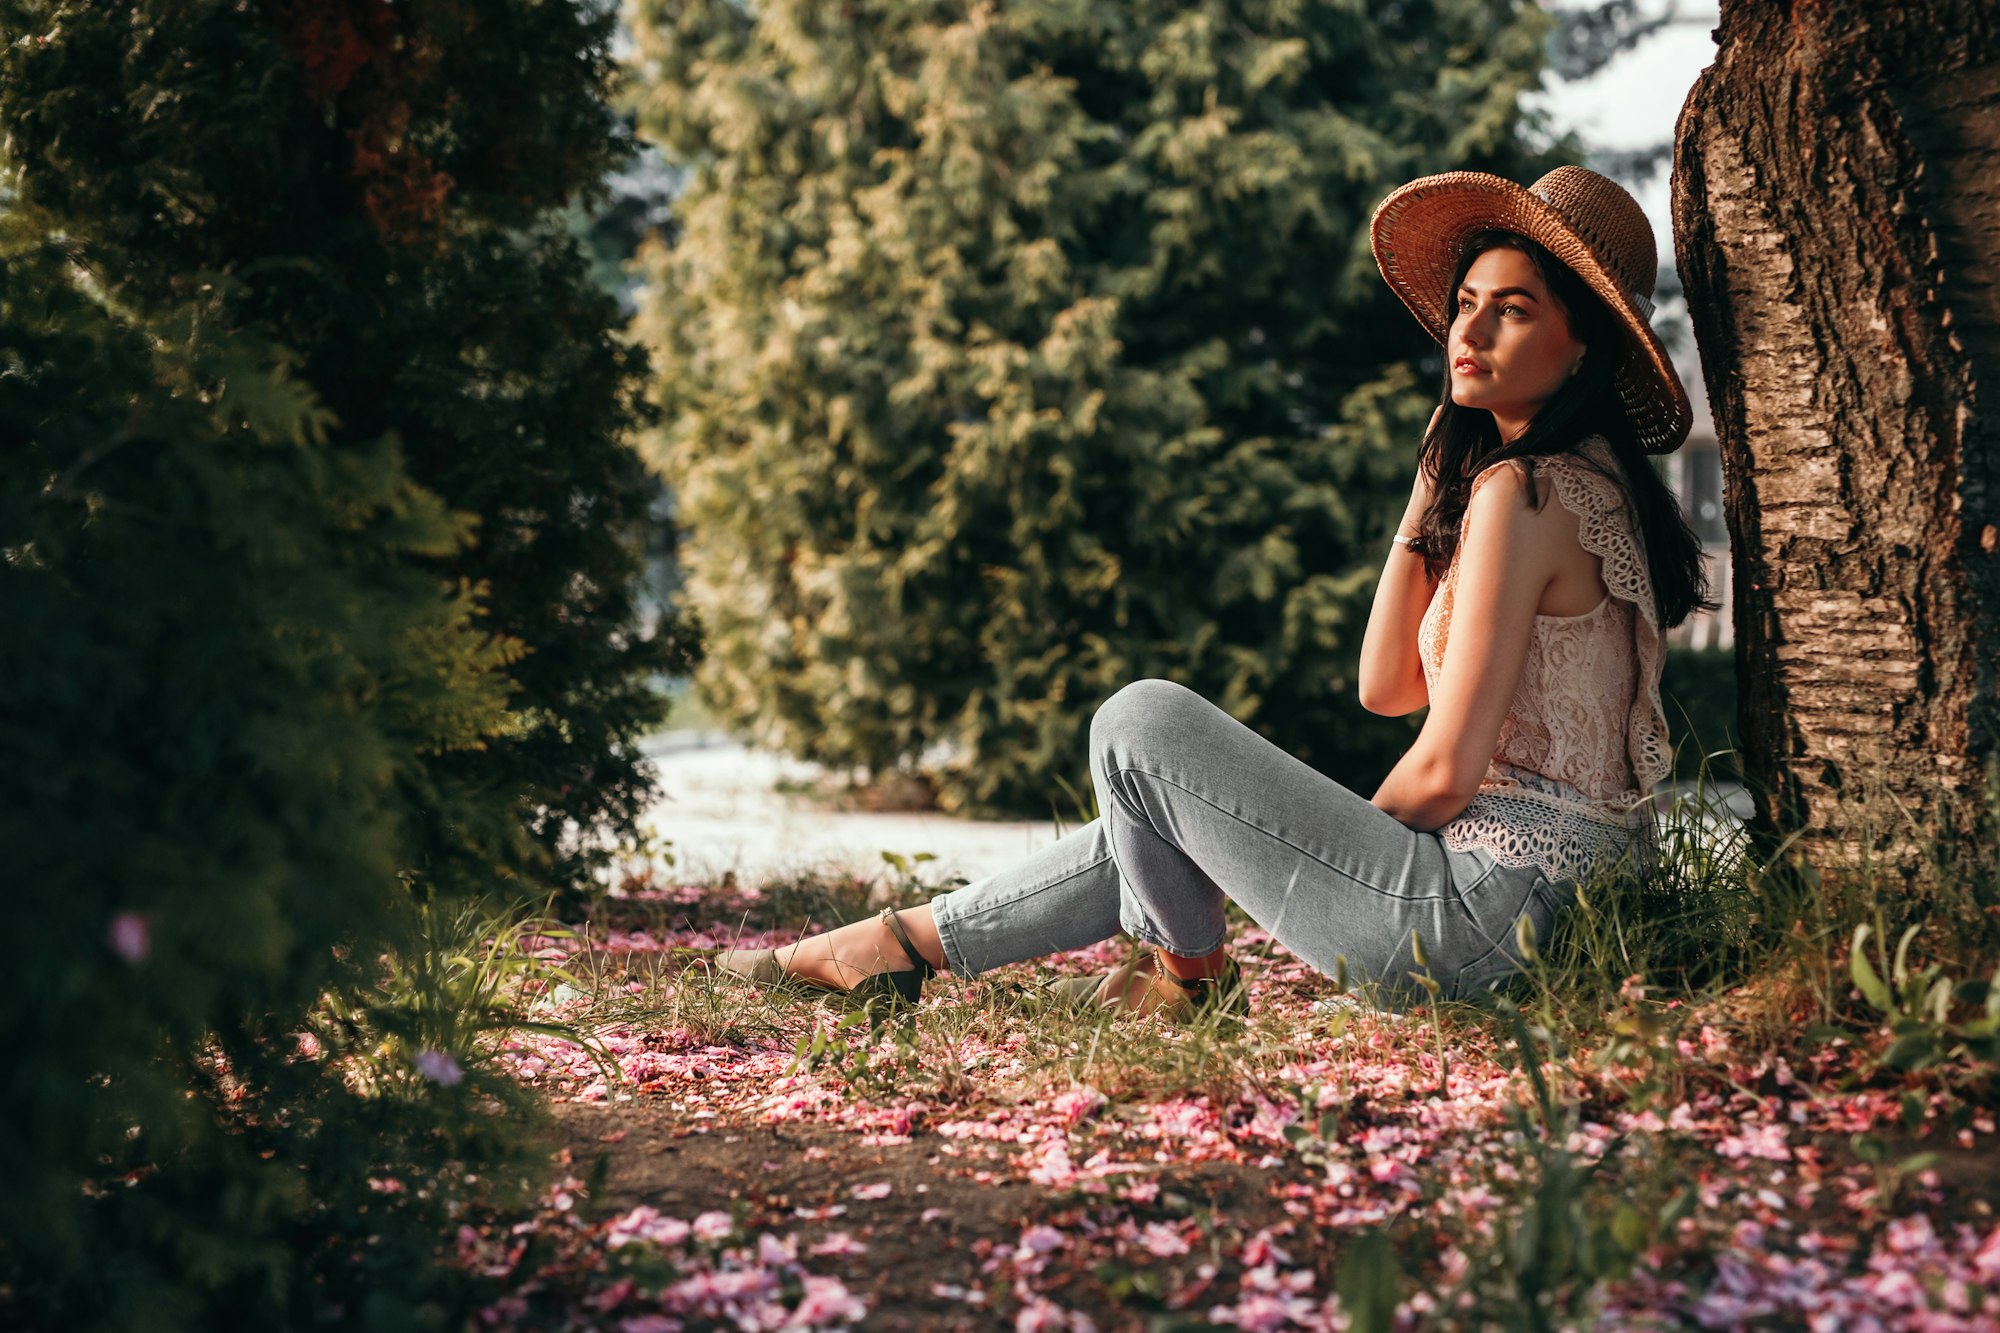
x=975 y=1162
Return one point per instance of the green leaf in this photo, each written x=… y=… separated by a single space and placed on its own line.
x=1915 y=1050
x=1900 y=970
x=1524 y=938
x=1864 y=973
x=1939 y=1000
x=1923 y=1161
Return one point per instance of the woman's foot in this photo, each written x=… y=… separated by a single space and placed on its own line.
x=1138 y=988
x=843 y=957
x=1144 y=986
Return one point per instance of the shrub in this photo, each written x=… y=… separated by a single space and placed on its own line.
x=1009 y=355
x=223 y=677
x=316 y=550
x=385 y=192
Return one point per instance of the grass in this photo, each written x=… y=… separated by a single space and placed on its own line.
x=1580 y=1148
x=1711 y=930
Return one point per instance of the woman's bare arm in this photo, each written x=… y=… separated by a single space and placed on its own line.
x=1392 y=675
x=1508 y=558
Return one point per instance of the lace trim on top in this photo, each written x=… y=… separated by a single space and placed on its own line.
x=1585 y=738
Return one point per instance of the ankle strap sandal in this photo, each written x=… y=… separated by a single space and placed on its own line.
x=1203 y=993
x=908 y=985
x=1225 y=990
x=761 y=966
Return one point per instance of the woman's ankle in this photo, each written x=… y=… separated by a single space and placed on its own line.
x=1193 y=969
x=921 y=926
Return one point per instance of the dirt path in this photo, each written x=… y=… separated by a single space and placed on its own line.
x=938 y=1225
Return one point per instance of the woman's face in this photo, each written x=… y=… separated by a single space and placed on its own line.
x=1509 y=342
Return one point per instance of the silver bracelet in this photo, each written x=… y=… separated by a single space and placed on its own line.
x=1401 y=540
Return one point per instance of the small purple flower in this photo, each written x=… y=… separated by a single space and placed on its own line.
x=130 y=936
x=439 y=1068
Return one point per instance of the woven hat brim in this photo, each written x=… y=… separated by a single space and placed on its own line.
x=1417 y=234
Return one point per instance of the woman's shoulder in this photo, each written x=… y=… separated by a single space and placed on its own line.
x=1587 y=477
x=1592 y=456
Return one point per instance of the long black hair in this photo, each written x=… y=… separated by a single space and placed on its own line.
x=1462 y=441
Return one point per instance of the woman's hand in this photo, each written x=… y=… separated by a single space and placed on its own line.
x=1421 y=490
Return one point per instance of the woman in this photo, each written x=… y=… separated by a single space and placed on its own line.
x=1530 y=629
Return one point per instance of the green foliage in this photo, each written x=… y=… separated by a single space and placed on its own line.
x=844 y=1048
x=385 y=192
x=1573 y=1231
x=449 y=1002
x=1933 y=1018
x=225 y=673
x=1369 y=1282
x=1008 y=355
x=316 y=552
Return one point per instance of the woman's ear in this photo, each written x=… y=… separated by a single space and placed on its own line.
x=1577 y=364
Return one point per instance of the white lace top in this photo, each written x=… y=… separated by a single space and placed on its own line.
x=1585 y=738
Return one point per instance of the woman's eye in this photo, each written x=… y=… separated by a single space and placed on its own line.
x=1512 y=310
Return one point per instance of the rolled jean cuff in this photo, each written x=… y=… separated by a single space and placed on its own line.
x=1143 y=930
x=954 y=957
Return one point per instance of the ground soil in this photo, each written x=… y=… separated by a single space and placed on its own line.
x=648 y=1154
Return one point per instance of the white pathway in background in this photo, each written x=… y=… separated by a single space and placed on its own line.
x=723 y=811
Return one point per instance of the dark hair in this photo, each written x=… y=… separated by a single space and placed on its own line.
x=1463 y=441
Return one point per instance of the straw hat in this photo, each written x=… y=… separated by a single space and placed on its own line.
x=1583 y=219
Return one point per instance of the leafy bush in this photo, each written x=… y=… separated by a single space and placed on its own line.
x=385 y=192
x=315 y=546
x=1009 y=355
x=223 y=676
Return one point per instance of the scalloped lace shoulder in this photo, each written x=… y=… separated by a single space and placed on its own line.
x=1585 y=738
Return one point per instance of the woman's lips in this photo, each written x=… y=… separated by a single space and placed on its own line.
x=1465 y=365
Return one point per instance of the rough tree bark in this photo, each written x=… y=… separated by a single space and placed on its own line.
x=1836 y=200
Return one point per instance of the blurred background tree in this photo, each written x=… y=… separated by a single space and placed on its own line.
x=1010 y=354
x=318 y=534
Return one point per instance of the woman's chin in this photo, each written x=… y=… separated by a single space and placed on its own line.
x=1504 y=408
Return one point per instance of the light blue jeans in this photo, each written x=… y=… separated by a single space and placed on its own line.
x=1197 y=807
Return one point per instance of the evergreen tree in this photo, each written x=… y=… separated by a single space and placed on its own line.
x=386 y=186
x=315 y=560
x=1011 y=353
x=223 y=682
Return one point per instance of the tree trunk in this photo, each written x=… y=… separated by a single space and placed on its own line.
x=1836 y=200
